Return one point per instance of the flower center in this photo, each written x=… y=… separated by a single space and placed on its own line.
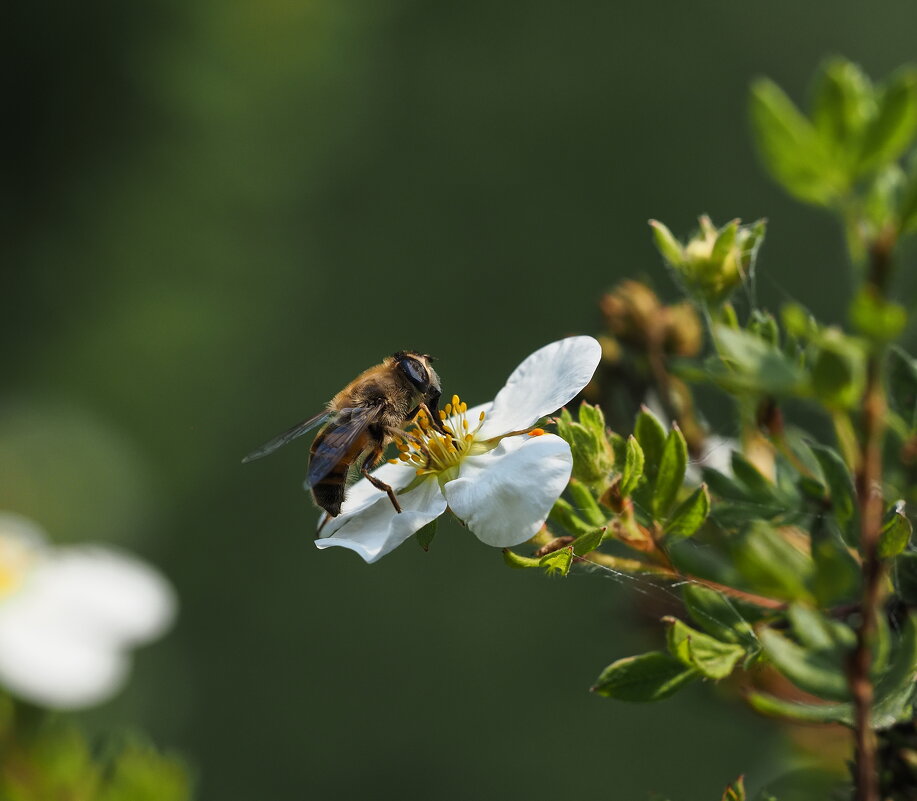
x=16 y=557
x=428 y=450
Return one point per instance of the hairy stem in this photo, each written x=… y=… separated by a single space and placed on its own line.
x=869 y=498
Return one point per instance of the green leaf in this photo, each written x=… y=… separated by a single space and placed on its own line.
x=895 y=688
x=714 y=659
x=140 y=773
x=557 y=562
x=758 y=487
x=817 y=633
x=563 y=514
x=842 y=104
x=902 y=385
x=735 y=791
x=769 y=564
x=717 y=615
x=837 y=572
x=633 y=467
x=668 y=246
x=805 y=713
x=426 y=534
x=895 y=534
x=815 y=672
x=671 y=474
x=513 y=559
x=905 y=576
x=838 y=371
x=753 y=365
x=892 y=129
x=907 y=208
x=648 y=677
x=690 y=514
x=588 y=542
x=840 y=488
x=876 y=318
x=650 y=435
x=585 y=504
x=791 y=148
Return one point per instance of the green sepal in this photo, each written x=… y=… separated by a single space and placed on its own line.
x=735 y=791
x=816 y=672
x=690 y=514
x=514 y=560
x=593 y=459
x=587 y=543
x=717 y=615
x=632 y=472
x=426 y=534
x=668 y=246
x=750 y=364
x=671 y=475
x=714 y=659
x=647 y=677
x=895 y=534
x=557 y=562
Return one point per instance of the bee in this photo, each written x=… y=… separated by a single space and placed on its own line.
x=360 y=421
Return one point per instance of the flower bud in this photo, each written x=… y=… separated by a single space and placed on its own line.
x=684 y=334
x=631 y=310
x=714 y=262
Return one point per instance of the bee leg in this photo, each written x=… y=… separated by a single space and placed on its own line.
x=382 y=486
x=371 y=461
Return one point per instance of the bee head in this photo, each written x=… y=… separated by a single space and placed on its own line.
x=416 y=366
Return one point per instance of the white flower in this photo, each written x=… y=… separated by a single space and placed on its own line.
x=69 y=615
x=496 y=474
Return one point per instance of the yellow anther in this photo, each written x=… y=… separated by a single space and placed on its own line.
x=464 y=407
x=455 y=400
x=404 y=457
x=448 y=409
x=442 y=415
x=482 y=416
x=393 y=461
x=536 y=432
x=465 y=424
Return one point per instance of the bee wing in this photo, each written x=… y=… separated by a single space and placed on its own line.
x=349 y=424
x=288 y=436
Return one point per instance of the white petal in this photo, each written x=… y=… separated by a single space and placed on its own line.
x=42 y=661
x=362 y=494
x=377 y=528
x=64 y=634
x=545 y=381
x=504 y=496
x=104 y=593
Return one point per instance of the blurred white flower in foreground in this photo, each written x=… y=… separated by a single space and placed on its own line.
x=497 y=475
x=69 y=615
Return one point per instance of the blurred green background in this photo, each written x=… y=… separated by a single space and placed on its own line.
x=215 y=214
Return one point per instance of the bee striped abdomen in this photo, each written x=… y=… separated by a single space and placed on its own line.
x=328 y=490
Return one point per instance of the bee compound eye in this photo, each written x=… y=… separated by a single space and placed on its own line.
x=415 y=371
